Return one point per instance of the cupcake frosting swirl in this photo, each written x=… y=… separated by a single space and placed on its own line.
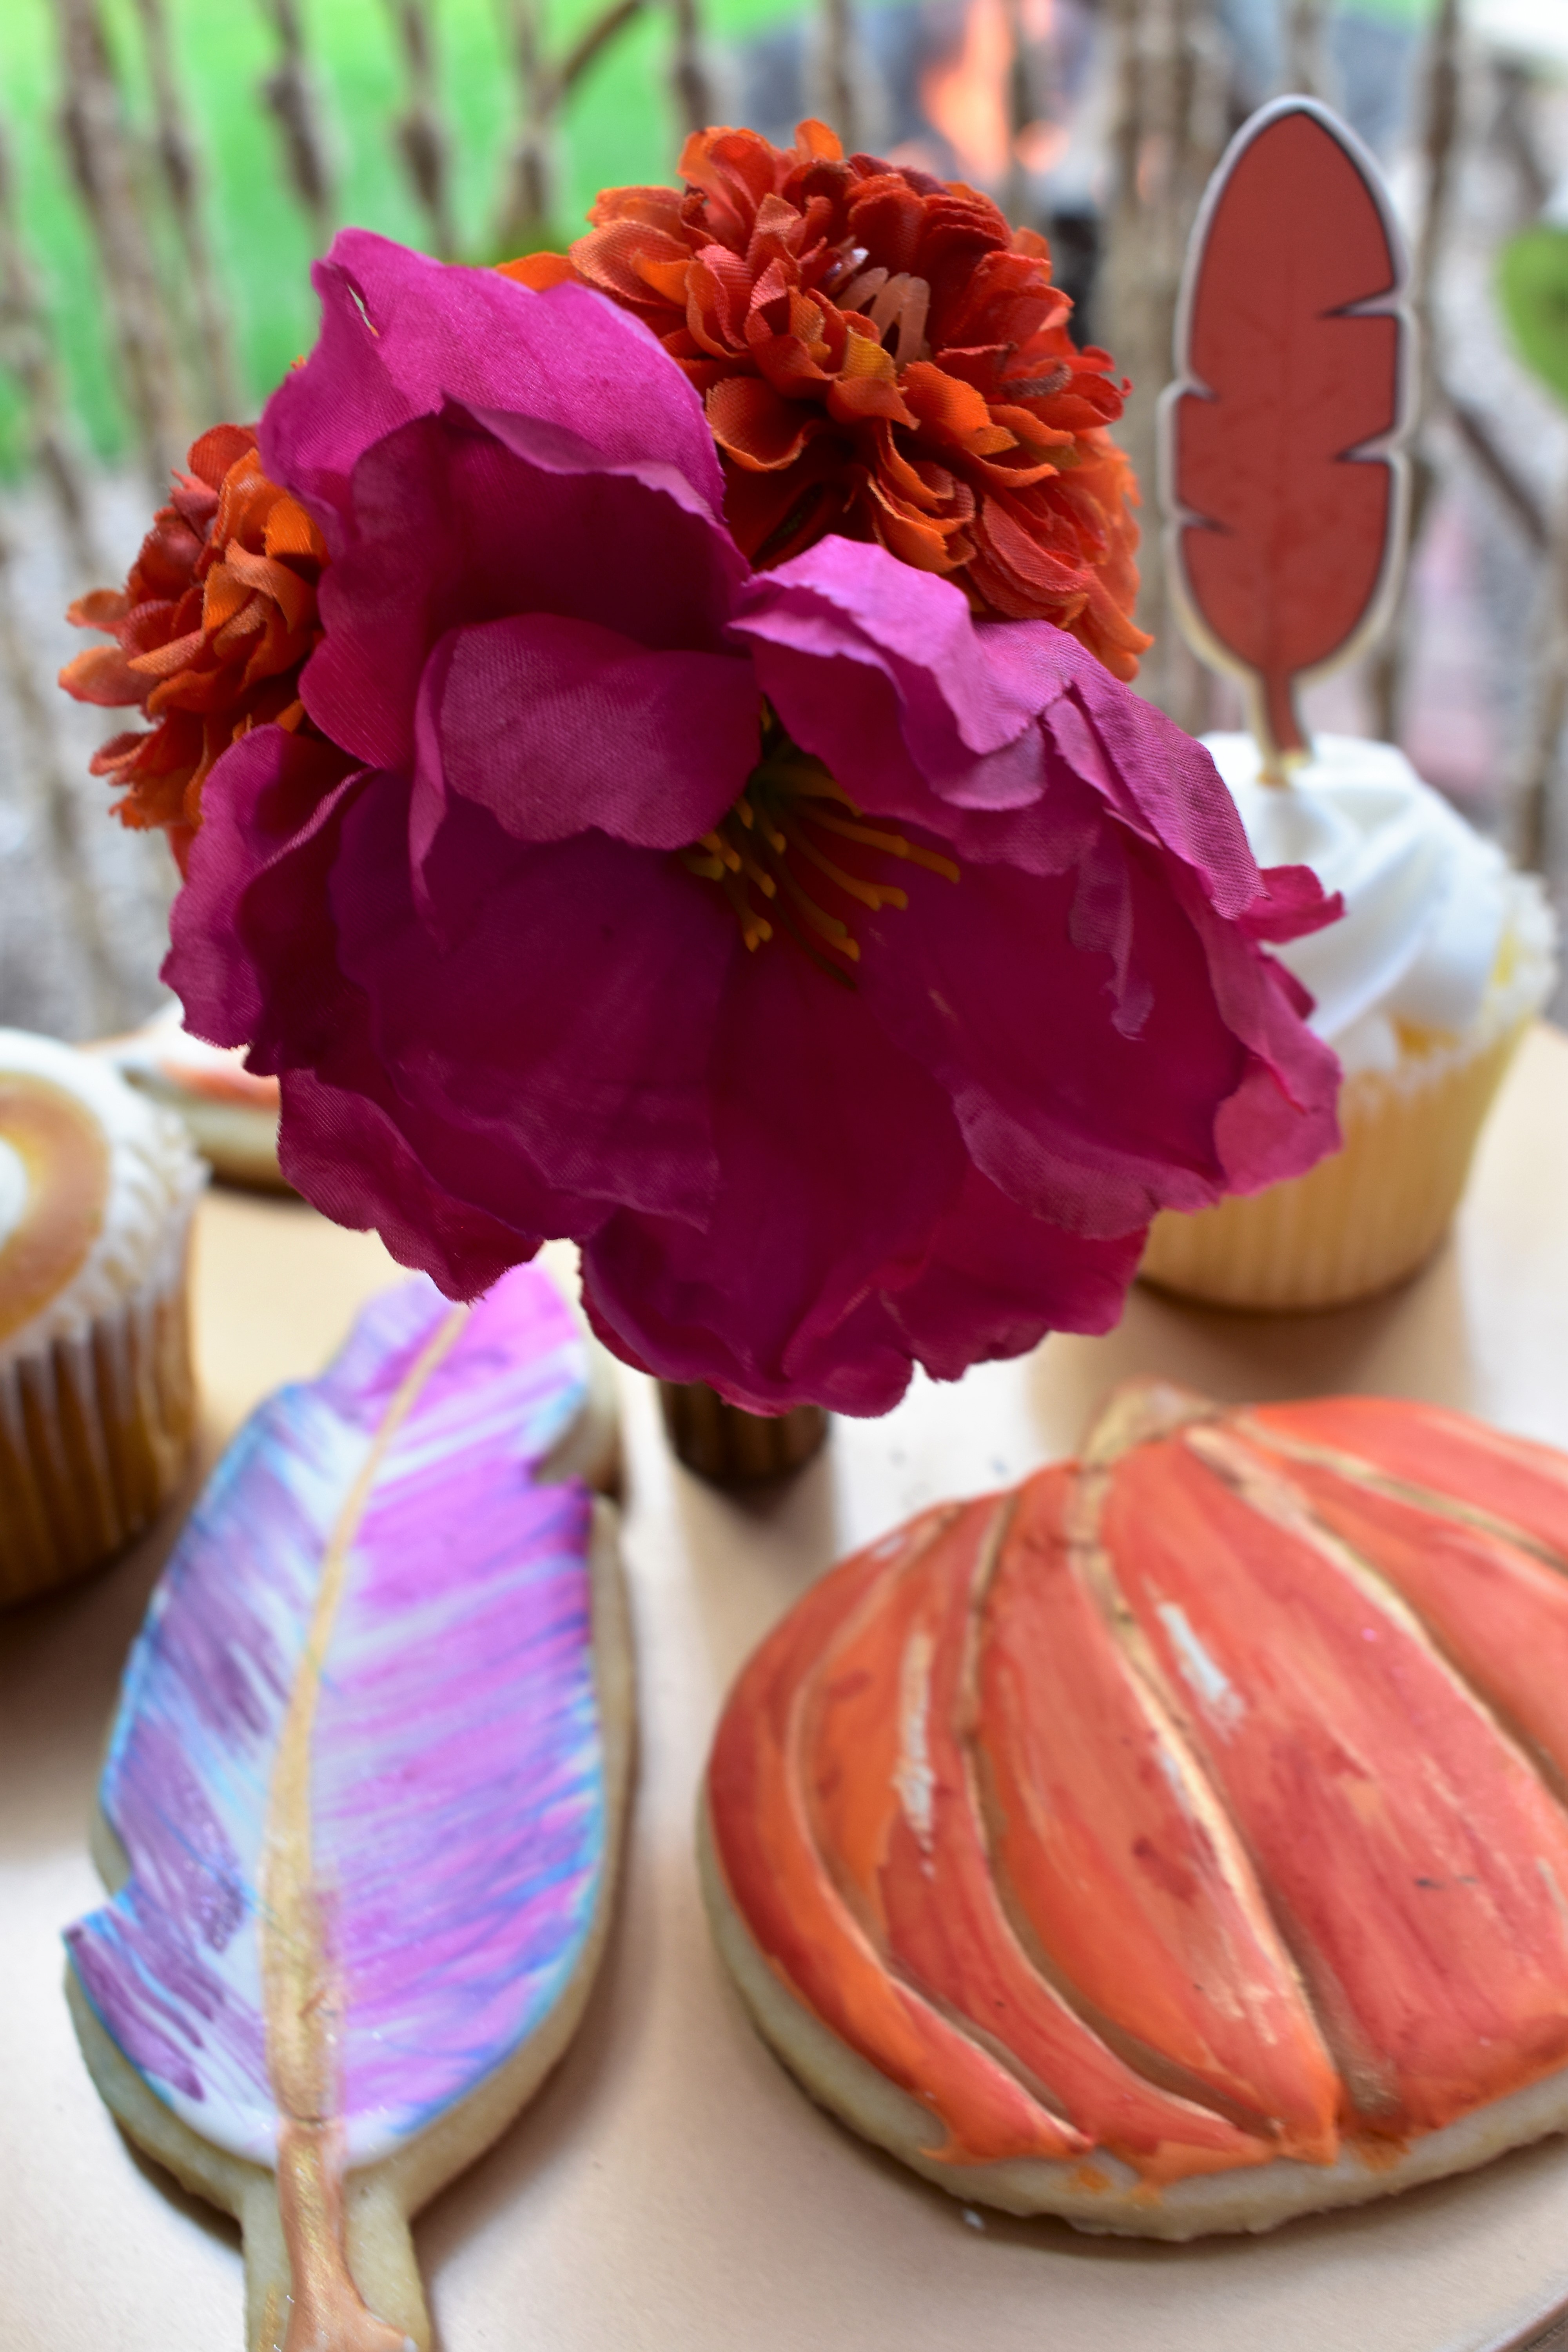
x=1428 y=904
x=14 y=1187
x=140 y=1205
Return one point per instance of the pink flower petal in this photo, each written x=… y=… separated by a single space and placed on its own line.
x=561 y=1024
x=402 y=336
x=444 y=526
x=557 y=725
x=275 y=808
x=1291 y=903
x=1158 y=781
x=502 y=1006
x=922 y=1260
x=994 y=1280
x=1087 y=1097
x=1284 y=1117
x=902 y=697
x=258 y=951
x=836 y=1158
x=348 y=1155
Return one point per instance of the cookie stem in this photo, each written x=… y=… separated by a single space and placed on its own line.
x=366 y=2297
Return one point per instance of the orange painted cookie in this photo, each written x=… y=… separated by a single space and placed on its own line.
x=1178 y=1841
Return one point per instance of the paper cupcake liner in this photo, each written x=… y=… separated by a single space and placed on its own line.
x=96 y=1430
x=1360 y=1222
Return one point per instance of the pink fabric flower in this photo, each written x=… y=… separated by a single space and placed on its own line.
x=506 y=988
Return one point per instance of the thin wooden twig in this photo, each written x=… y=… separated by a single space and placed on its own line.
x=528 y=199
x=593 y=41
x=100 y=155
x=28 y=352
x=1440 y=157
x=1542 y=749
x=689 y=72
x=421 y=134
x=1475 y=429
x=840 y=93
x=528 y=209
x=289 y=97
x=1440 y=151
x=47 y=784
x=1514 y=134
x=1123 y=279
x=183 y=178
x=1021 y=112
x=1168 y=128
x=1306 y=46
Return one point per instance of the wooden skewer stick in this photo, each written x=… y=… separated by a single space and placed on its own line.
x=528 y=201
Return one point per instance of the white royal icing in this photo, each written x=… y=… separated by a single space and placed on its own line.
x=1430 y=907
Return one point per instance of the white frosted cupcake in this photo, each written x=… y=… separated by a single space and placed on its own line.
x=1441 y=961
x=97 y=1402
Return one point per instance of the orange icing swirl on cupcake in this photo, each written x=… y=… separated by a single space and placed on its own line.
x=65 y=1157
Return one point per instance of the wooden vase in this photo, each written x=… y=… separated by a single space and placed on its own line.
x=731 y=1448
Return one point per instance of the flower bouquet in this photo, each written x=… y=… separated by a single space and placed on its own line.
x=646 y=736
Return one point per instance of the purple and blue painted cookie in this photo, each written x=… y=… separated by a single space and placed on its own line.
x=363 y=1799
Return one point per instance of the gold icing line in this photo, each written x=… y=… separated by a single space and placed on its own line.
x=301 y=1999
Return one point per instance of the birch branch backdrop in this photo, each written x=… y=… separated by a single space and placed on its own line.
x=167 y=171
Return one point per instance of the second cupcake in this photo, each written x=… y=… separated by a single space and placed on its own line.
x=96 y=1401
x=1423 y=988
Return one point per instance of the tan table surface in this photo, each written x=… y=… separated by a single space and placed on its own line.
x=671 y=2191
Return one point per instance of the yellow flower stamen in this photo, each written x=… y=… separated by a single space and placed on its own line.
x=761 y=847
x=892 y=844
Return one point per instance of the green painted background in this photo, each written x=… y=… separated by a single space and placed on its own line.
x=619 y=128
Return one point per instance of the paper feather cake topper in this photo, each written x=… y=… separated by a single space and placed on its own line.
x=1282 y=479
x=362 y=1801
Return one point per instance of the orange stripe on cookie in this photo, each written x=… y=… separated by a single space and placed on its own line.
x=891 y=1792
x=777 y=1881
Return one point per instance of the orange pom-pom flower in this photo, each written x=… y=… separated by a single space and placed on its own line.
x=211 y=631
x=880 y=356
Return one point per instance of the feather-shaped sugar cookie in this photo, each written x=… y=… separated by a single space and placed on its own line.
x=363 y=1799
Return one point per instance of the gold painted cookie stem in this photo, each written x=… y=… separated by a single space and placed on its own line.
x=301 y=1996
x=380 y=2265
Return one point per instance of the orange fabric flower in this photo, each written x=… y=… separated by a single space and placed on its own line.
x=211 y=631
x=880 y=356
